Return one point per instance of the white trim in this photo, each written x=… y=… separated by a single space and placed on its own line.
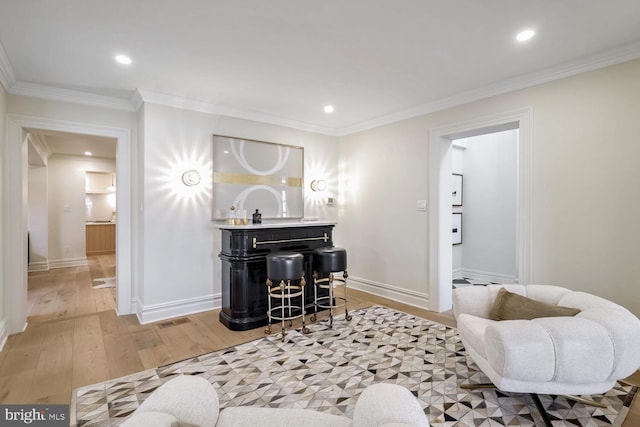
x=600 y=60
x=3 y=334
x=440 y=252
x=68 y=262
x=37 y=90
x=15 y=183
x=210 y=108
x=15 y=227
x=41 y=146
x=38 y=266
x=7 y=77
x=136 y=100
x=488 y=276
x=395 y=293
x=168 y=310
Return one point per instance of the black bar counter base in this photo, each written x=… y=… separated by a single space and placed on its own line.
x=244 y=266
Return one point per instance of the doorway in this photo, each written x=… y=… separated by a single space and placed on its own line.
x=440 y=185
x=485 y=175
x=15 y=225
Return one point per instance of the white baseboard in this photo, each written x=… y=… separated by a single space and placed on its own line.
x=3 y=334
x=38 y=266
x=457 y=273
x=416 y=299
x=168 y=310
x=68 y=262
x=486 y=276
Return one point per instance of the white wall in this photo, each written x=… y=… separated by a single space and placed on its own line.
x=67 y=211
x=457 y=166
x=3 y=213
x=180 y=254
x=490 y=207
x=38 y=221
x=584 y=167
x=585 y=229
x=385 y=173
x=100 y=207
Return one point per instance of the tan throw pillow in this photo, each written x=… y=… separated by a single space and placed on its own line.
x=510 y=306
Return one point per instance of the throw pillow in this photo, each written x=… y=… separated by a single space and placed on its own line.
x=510 y=306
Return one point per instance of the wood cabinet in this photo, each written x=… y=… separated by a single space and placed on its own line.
x=100 y=238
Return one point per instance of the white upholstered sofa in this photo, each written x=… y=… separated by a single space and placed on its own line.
x=191 y=401
x=571 y=355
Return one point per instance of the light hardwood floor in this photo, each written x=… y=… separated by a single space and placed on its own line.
x=74 y=337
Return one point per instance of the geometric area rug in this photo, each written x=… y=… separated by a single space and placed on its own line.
x=327 y=369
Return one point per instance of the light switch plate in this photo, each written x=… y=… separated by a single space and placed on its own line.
x=422 y=205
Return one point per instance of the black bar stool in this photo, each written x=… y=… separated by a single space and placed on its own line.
x=326 y=261
x=285 y=281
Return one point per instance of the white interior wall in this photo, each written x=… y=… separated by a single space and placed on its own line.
x=181 y=246
x=457 y=156
x=67 y=209
x=585 y=130
x=581 y=184
x=384 y=175
x=100 y=207
x=38 y=223
x=3 y=219
x=490 y=207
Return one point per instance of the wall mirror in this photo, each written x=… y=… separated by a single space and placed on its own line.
x=250 y=175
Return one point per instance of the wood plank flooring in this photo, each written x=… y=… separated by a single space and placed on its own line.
x=74 y=337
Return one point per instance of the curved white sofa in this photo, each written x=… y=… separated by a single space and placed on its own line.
x=584 y=354
x=191 y=401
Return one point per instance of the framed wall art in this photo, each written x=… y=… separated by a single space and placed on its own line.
x=456 y=228
x=456 y=191
x=250 y=175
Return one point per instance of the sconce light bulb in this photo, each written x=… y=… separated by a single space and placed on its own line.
x=191 y=178
x=318 y=185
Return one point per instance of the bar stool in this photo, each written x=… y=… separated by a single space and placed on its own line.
x=285 y=282
x=326 y=261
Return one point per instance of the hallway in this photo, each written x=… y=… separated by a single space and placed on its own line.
x=69 y=292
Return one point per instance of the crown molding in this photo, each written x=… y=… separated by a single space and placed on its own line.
x=39 y=143
x=41 y=147
x=7 y=77
x=136 y=100
x=571 y=68
x=36 y=90
x=603 y=59
x=210 y=108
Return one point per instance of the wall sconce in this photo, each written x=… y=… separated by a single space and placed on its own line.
x=318 y=185
x=191 y=178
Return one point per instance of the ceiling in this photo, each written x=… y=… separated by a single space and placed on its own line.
x=281 y=61
x=75 y=144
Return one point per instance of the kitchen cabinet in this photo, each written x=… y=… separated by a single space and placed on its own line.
x=100 y=238
x=100 y=182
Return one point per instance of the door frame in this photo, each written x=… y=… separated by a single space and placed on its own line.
x=440 y=169
x=16 y=209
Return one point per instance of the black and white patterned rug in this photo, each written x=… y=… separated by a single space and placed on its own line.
x=327 y=370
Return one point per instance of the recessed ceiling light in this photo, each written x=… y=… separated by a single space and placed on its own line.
x=525 y=35
x=88 y=153
x=123 y=59
x=328 y=109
